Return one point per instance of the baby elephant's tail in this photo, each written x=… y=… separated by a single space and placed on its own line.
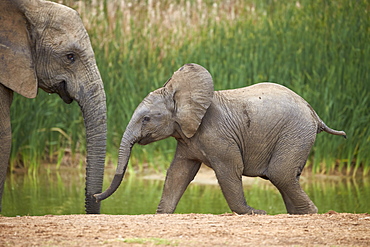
x=324 y=127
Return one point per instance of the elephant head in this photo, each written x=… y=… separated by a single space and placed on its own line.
x=44 y=44
x=175 y=109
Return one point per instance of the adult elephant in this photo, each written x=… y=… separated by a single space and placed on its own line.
x=265 y=130
x=44 y=44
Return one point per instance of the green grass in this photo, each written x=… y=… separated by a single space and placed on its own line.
x=319 y=49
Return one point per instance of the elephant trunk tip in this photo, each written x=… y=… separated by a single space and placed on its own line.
x=104 y=195
x=99 y=197
x=112 y=188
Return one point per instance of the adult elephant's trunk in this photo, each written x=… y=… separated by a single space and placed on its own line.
x=91 y=99
x=127 y=142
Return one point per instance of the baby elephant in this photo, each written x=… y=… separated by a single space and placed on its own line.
x=264 y=130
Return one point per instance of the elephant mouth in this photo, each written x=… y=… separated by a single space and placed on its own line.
x=63 y=93
x=145 y=140
x=60 y=88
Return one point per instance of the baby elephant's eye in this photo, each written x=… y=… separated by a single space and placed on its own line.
x=146 y=119
x=71 y=57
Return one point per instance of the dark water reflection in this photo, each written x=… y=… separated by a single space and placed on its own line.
x=62 y=192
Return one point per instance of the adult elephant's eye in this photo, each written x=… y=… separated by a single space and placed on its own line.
x=71 y=57
x=146 y=119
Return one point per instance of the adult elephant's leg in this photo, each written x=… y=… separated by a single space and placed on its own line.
x=179 y=175
x=284 y=171
x=6 y=96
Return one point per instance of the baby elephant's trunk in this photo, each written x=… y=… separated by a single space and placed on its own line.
x=112 y=188
x=123 y=158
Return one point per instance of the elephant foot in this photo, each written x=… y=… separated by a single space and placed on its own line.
x=256 y=211
x=251 y=211
x=310 y=209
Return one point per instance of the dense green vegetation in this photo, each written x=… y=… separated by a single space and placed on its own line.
x=319 y=49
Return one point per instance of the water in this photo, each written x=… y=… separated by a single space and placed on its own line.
x=62 y=192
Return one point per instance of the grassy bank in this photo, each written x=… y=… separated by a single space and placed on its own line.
x=319 y=49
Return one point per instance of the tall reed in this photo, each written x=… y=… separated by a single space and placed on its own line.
x=319 y=49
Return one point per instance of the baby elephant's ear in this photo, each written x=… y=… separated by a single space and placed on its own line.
x=16 y=62
x=192 y=87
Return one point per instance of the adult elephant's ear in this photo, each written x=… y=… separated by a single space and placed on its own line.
x=17 y=70
x=192 y=88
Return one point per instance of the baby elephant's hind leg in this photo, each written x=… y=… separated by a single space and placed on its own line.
x=284 y=172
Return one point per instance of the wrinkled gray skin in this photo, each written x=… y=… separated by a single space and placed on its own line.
x=264 y=130
x=44 y=44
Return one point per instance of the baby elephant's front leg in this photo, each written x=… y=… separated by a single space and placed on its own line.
x=179 y=175
x=232 y=187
